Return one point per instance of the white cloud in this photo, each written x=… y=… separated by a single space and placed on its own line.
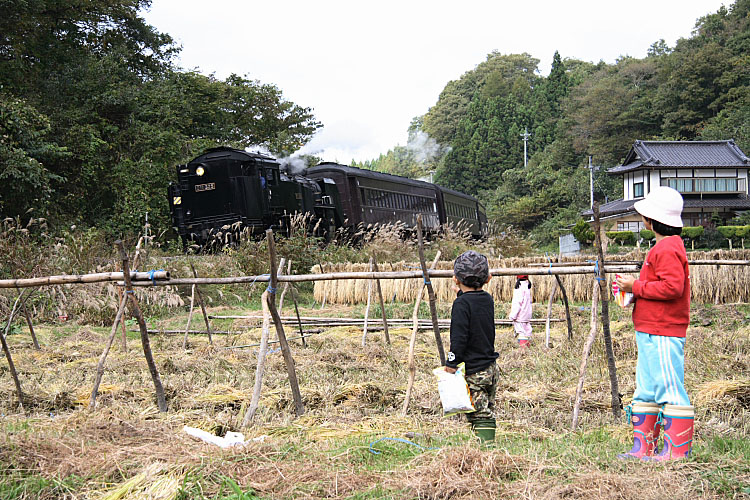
x=368 y=68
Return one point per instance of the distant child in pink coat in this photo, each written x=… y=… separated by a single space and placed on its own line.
x=520 y=310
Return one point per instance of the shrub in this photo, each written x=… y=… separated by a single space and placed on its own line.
x=583 y=232
x=622 y=237
x=646 y=234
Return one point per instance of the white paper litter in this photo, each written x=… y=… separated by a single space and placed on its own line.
x=229 y=440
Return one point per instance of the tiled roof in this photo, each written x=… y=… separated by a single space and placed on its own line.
x=618 y=207
x=683 y=154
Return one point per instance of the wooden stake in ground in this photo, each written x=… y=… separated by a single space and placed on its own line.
x=367 y=309
x=190 y=318
x=299 y=320
x=549 y=314
x=136 y=261
x=413 y=341
x=567 y=307
x=298 y=405
x=262 y=350
x=203 y=307
x=325 y=292
x=601 y=278
x=382 y=304
x=286 y=285
x=103 y=356
x=586 y=352
x=136 y=311
x=6 y=349
x=430 y=292
x=31 y=327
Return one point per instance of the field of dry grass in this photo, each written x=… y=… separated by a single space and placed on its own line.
x=353 y=395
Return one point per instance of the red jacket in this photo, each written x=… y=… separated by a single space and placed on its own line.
x=662 y=292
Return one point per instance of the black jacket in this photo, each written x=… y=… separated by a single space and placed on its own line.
x=472 y=331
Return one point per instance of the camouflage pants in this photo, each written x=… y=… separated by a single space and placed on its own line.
x=482 y=386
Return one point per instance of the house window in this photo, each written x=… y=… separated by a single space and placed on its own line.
x=638 y=190
x=630 y=226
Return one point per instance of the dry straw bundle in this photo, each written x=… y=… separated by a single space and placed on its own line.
x=709 y=283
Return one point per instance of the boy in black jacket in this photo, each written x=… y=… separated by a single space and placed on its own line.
x=473 y=340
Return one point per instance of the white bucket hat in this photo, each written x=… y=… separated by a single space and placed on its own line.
x=663 y=204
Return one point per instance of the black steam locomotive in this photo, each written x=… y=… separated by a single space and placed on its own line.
x=230 y=188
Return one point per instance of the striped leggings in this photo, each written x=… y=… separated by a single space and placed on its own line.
x=660 y=370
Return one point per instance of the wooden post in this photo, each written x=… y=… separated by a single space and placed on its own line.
x=382 y=304
x=413 y=341
x=601 y=278
x=262 y=350
x=136 y=261
x=203 y=307
x=367 y=309
x=103 y=356
x=298 y=405
x=6 y=349
x=567 y=306
x=325 y=292
x=31 y=327
x=190 y=318
x=136 y=310
x=430 y=292
x=549 y=313
x=299 y=320
x=586 y=351
x=286 y=285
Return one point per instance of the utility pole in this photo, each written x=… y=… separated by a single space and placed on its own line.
x=591 y=182
x=525 y=136
x=592 y=168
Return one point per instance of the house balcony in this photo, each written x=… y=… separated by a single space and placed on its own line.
x=707 y=185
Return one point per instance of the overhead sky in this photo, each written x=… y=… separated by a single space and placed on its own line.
x=368 y=67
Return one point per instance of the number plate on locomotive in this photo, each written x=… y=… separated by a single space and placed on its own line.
x=205 y=187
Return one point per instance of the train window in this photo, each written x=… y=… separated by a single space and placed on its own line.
x=363 y=195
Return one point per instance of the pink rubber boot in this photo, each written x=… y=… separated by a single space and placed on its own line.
x=678 y=432
x=644 y=417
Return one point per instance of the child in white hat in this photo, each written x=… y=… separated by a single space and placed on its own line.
x=661 y=315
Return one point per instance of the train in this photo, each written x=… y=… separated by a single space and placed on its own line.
x=226 y=188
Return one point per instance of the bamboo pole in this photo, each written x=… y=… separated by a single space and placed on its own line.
x=364 y=275
x=601 y=279
x=31 y=327
x=136 y=261
x=296 y=395
x=67 y=279
x=413 y=342
x=345 y=321
x=367 y=309
x=261 y=363
x=136 y=310
x=549 y=314
x=103 y=357
x=203 y=307
x=568 y=319
x=382 y=304
x=189 y=319
x=6 y=349
x=430 y=292
x=585 y=356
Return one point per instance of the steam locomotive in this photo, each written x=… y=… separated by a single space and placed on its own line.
x=231 y=188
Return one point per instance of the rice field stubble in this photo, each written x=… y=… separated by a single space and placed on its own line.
x=352 y=395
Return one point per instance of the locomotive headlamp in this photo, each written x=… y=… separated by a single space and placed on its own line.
x=199 y=171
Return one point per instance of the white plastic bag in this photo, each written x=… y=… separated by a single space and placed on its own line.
x=454 y=392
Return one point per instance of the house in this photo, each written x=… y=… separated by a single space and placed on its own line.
x=711 y=175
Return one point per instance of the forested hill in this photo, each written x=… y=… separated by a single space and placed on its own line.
x=699 y=89
x=94 y=114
